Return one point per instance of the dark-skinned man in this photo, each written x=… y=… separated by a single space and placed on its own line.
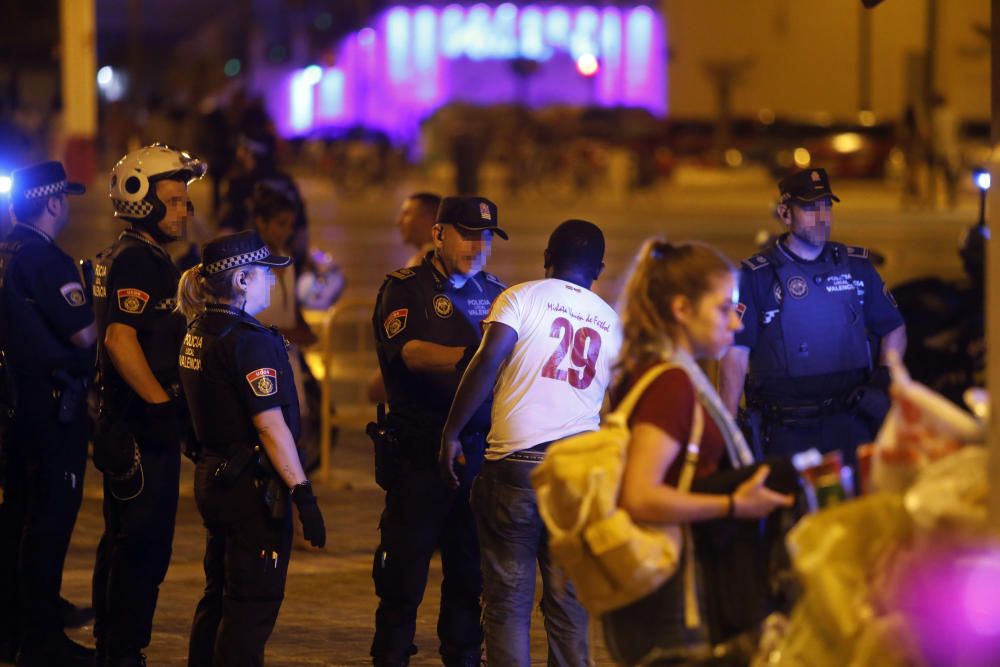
x=549 y=348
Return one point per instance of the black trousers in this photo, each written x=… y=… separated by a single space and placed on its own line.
x=246 y=564
x=423 y=515
x=46 y=460
x=134 y=551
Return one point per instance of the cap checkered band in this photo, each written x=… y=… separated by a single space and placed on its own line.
x=132 y=209
x=45 y=190
x=236 y=260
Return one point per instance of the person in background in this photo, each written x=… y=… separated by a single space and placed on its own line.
x=680 y=306
x=415 y=221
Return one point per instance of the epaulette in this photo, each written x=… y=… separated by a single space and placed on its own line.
x=493 y=279
x=857 y=251
x=755 y=262
x=402 y=274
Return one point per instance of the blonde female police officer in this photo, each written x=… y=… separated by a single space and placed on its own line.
x=239 y=388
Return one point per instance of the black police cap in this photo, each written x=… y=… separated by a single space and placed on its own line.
x=806 y=186
x=235 y=250
x=472 y=213
x=41 y=181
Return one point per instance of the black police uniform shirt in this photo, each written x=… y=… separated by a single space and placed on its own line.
x=42 y=304
x=232 y=367
x=420 y=303
x=808 y=323
x=135 y=284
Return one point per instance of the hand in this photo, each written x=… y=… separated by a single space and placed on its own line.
x=753 y=500
x=313 y=527
x=451 y=450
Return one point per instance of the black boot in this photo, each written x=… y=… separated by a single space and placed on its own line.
x=73 y=616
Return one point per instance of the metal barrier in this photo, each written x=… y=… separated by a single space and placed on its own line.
x=347 y=349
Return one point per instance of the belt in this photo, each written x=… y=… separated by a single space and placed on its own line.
x=535 y=454
x=795 y=411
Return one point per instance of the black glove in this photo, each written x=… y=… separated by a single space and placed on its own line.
x=313 y=527
x=165 y=422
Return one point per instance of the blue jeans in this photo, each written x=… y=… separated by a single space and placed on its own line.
x=512 y=538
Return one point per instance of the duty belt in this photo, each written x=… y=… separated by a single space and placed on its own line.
x=792 y=412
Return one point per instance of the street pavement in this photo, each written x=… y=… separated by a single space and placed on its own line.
x=327 y=615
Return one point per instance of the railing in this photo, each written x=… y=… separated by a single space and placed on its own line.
x=347 y=365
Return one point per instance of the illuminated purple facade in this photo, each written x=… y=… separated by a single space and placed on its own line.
x=412 y=60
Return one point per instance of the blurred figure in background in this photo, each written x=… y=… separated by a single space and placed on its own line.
x=256 y=162
x=945 y=156
x=913 y=143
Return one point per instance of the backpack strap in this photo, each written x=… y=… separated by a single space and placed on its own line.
x=624 y=409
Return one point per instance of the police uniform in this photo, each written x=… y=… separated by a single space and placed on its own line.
x=136 y=285
x=811 y=327
x=42 y=305
x=421 y=513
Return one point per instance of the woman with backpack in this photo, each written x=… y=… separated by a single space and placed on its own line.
x=680 y=306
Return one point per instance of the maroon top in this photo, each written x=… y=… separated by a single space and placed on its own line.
x=668 y=404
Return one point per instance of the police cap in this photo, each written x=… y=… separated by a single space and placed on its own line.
x=41 y=181
x=472 y=213
x=235 y=250
x=806 y=186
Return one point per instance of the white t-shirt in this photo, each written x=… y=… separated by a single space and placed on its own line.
x=553 y=383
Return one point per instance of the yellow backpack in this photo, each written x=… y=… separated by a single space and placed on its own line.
x=611 y=560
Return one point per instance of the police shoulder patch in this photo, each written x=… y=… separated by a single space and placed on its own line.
x=443 y=307
x=755 y=262
x=857 y=251
x=263 y=382
x=396 y=322
x=73 y=293
x=132 y=301
x=402 y=274
x=493 y=279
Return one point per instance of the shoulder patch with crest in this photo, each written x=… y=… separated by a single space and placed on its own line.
x=493 y=279
x=263 y=382
x=402 y=274
x=857 y=251
x=755 y=262
x=131 y=300
x=396 y=321
x=73 y=293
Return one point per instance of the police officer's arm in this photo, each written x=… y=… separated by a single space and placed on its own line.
x=56 y=286
x=477 y=382
x=421 y=356
x=279 y=445
x=732 y=375
x=122 y=344
x=85 y=337
x=882 y=315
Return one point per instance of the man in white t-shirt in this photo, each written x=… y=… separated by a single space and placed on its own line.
x=547 y=354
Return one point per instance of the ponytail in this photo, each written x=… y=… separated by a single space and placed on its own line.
x=192 y=293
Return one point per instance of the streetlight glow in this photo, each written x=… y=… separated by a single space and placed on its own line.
x=5 y=183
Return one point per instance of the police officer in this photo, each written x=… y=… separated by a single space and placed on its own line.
x=135 y=292
x=427 y=326
x=239 y=388
x=47 y=336
x=812 y=312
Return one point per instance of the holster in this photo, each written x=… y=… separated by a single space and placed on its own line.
x=252 y=460
x=71 y=396
x=388 y=458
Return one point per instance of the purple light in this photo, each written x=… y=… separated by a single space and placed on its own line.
x=411 y=60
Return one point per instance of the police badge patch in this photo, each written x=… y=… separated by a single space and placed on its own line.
x=797 y=287
x=132 y=301
x=741 y=310
x=396 y=322
x=443 y=307
x=73 y=293
x=263 y=382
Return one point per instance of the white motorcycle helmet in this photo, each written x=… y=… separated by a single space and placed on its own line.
x=132 y=191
